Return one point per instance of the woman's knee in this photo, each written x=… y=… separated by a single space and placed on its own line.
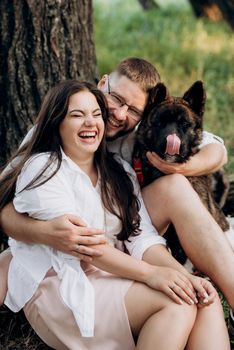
x=142 y=302
x=211 y=312
x=184 y=314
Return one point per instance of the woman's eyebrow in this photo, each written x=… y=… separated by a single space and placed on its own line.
x=97 y=110
x=83 y=112
x=76 y=110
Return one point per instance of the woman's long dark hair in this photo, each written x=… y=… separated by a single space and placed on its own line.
x=116 y=186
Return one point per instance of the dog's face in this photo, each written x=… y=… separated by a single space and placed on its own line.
x=172 y=126
x=173 y=133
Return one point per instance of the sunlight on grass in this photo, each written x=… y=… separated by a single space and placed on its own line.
x=204 y=41
x=183 y=49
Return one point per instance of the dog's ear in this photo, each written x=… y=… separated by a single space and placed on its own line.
x=196 y=97
x=157 y=94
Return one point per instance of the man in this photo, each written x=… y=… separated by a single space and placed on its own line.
x=168 y=199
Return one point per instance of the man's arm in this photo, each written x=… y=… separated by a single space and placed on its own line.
x=63 y=233
x=208 y=160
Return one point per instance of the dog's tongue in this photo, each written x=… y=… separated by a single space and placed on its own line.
x=173 y=145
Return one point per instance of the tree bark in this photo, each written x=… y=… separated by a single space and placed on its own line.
x=227 y=9
x=215 y=10
x=148 y=4
x=41 y=43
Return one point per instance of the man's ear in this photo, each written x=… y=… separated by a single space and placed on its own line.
x=102 y=82
x=196 y=97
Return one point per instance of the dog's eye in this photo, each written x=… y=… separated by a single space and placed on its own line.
x=186 y=124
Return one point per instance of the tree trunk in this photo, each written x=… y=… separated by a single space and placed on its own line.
x=148 y=4
x=215 y=10
x=227 y=9
x=41 y=43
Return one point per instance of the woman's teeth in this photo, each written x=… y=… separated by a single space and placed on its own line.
x=88 y=134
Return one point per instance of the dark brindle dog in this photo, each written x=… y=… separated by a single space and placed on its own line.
x=172 y=128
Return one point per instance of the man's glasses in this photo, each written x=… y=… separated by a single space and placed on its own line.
x=119 y=101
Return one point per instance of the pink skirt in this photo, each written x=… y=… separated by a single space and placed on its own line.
x=53 y=321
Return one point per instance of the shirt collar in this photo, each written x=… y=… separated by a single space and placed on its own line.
x=70 y=163
x=75 y=168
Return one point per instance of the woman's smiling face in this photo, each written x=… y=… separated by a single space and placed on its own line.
x=83 y=127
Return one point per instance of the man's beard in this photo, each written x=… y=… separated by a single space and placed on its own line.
x=119 y=134
x=123 y=131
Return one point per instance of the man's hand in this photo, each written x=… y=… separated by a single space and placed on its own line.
x=166 y=167
x=69 y=233
x=209 y=159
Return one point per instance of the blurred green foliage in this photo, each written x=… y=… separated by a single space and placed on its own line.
x=183 y=48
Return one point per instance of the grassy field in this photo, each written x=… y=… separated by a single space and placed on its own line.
x=183 y=49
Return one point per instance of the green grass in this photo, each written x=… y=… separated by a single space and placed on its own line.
x=183 y=49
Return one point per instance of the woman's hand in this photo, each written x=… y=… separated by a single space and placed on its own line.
x=173 y=283
x=205 y=291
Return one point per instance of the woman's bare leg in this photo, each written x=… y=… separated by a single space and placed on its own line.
x=209 y=331
x=152 y=316
x=5 y=258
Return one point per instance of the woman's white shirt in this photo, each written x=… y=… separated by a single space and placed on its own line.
x=69 y=191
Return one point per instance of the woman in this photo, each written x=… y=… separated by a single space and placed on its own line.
x=65 y=168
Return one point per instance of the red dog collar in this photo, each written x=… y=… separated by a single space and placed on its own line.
x=137 y=166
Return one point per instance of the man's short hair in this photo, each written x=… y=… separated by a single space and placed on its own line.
x=139 y=71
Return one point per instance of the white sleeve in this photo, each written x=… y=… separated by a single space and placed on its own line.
x=148 y=236
x=208 y=138
x=47 y=201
